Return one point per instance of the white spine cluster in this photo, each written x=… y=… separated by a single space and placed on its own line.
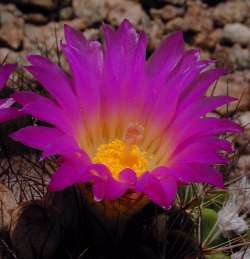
x=231 y=218
x=242 y=254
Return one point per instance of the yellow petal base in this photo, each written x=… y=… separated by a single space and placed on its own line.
x=118 y=155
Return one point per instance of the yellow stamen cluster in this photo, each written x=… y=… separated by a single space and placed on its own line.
x=118 y=155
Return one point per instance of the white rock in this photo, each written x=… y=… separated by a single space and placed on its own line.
x=92 y=11
x=242 y=254
x=229 y=221
x=237 y=33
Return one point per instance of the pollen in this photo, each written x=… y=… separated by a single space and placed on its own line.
x=118 y=155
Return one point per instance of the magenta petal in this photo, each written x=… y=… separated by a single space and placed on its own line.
x=108 y=190
x=40 y=107
x=74 y=38
x=73 y=170
x=219 y=126
x=167 y=56
x=36 y=136
x=45 y=110
x=208 y=104
x=9 y=114
x=6 y=103
x=222 y=144
x=199 y=88
x=104 y=186
x=211 y=143
x=128 y=177
x=65 y=176
x=6 y=112
x=172 y=92
x=54 y=80
x=208 y=175
x=206 y=127
x=85 y=59
x=199 y=152
x=25 y=97
x=62 y=145
x=160 y=186
x=50 y=140
x=198 y=173
x=5 y=71
x=200 y=108
x=85 y=68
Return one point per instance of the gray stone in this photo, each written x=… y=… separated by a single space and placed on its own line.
x=196 y=19
x=12 y=56
x=207 y=40
x=114 y=11
x=91 y=11
x=66 y=13
x=236 y=33
x=119 y=10
x=155 y=31
x=231 y=12
x=240 y=57
x=92 y=34
x=11 y=26
x=167 y=13
x=243 y=166
x=234 y=58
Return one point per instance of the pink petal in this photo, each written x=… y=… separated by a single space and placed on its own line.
x=123 y=72
x=86 y=77
x=9 y=114
x=25 y=97
x=36 y=136
x=74 y=38
x=198 y=173
x=200 y=108
x=160 y=186
x=62 y=145
x=128 y=177
x=54 y=80
x=206 y=127
x=208 y=175
x=170 y=93
x=65 y=176
x=199 y=88
x=209 y=141
x=6 y=103
x=166 y=57
x=219 y=126
x=5 y=71
x=73 y=170
x=200 y=153
x=104 y=186
x=46 y=110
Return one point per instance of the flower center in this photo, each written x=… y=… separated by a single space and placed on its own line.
x=120 y=154
x=116 y=156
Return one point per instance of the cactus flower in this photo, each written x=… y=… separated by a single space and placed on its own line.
x=124 y=123
x=6 y=111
